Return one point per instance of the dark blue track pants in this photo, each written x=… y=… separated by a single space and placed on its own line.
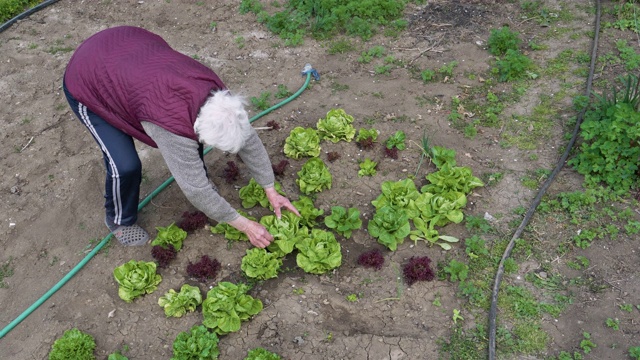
x=124 y=169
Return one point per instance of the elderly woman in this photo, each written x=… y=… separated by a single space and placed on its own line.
x=127 y=83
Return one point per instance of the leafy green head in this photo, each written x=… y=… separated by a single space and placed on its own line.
x=314 y=176
x=308 y=211
x=170 y=235
x=390 y=226
x=260 y=264
x=136 y=278
x=227 y=305
x=336 y=126
x=286 y=232
x=198 y=343
x=302 y=142
x=176 y=304
x=73 y=344
x=319 y=252
x=343 y=221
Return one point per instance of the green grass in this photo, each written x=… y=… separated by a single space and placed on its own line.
x=6 y=270
x=11 y=8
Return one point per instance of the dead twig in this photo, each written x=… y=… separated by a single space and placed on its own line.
x=29 y=143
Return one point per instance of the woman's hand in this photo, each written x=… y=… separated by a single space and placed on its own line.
x=278 y=201
x=258 y=234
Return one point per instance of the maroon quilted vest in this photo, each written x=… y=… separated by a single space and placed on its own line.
x=127 y=75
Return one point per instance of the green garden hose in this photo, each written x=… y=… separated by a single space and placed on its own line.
x=308 y=70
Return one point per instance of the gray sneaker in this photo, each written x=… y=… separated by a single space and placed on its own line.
x=132 y=235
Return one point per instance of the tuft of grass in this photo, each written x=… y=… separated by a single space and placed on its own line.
x=6 y=270
x=11 y=8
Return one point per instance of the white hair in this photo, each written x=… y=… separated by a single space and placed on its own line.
x=223 y=122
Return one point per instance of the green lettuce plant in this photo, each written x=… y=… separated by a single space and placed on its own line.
x=260 y=264
x=253 y=194
x=314 y=177
x=396 y=140
x=441 y=156
x=136 y=278
x=319 y=252
x=336 y=126
x=308 y=211
x=441 y=209
x=364 y=134
x=73 y=344
x=367 y=168
x=231 y=233
x=261 y=354
x=424 y=232
x=457 y=178
x=390 y=226
x=302 y=142
x=399 y=194
x=170 y=235
x=227 y=305
x=197 y=344
x=343 y=221
x=286 y=232
x=177 y=304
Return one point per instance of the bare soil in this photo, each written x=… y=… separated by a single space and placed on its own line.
x=52 y=180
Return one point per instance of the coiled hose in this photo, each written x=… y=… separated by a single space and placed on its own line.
x=493 y=310
x=308 y=71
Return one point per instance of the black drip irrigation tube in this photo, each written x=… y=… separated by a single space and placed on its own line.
x=308 y=71
x=543 y=189
x=38 y=7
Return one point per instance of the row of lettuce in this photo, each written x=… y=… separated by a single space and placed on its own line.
x=401 y=211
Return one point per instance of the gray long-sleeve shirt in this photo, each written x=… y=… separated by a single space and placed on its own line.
x=184 y=163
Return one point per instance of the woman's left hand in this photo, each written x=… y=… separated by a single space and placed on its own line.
x=278 y=201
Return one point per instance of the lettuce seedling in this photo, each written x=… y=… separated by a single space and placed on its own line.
x=367 y=167
x=117 y=356
x=73 y=344
x=417 y=269
x=396 y=140
x=319 y=252
x=227 y=305
x=260 y=264
x=177 y=304
x=441 y=209
x=197 y=344
x=431 y=236
x=390 y=226
x=343 y=221
x=457 y=178
x=366 y=138
x=302 y=142
x=231 y=172
x=231 y=233
x=136 y=278
x=336 y=126
x=400 y=195
x=262 y=354
x=286 y=232
x=307 y=210
x=253 y=194
x=314 y=177
x=204 y=269
x=441 y=157
x=164 y=255
x=192 y=221
x=172 y=235
x=372 y=259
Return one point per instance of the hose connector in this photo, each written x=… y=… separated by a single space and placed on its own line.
x=308 y=69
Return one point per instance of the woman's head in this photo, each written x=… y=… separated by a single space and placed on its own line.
x=223 y=122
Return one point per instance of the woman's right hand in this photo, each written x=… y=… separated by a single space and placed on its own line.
x=258 y=234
